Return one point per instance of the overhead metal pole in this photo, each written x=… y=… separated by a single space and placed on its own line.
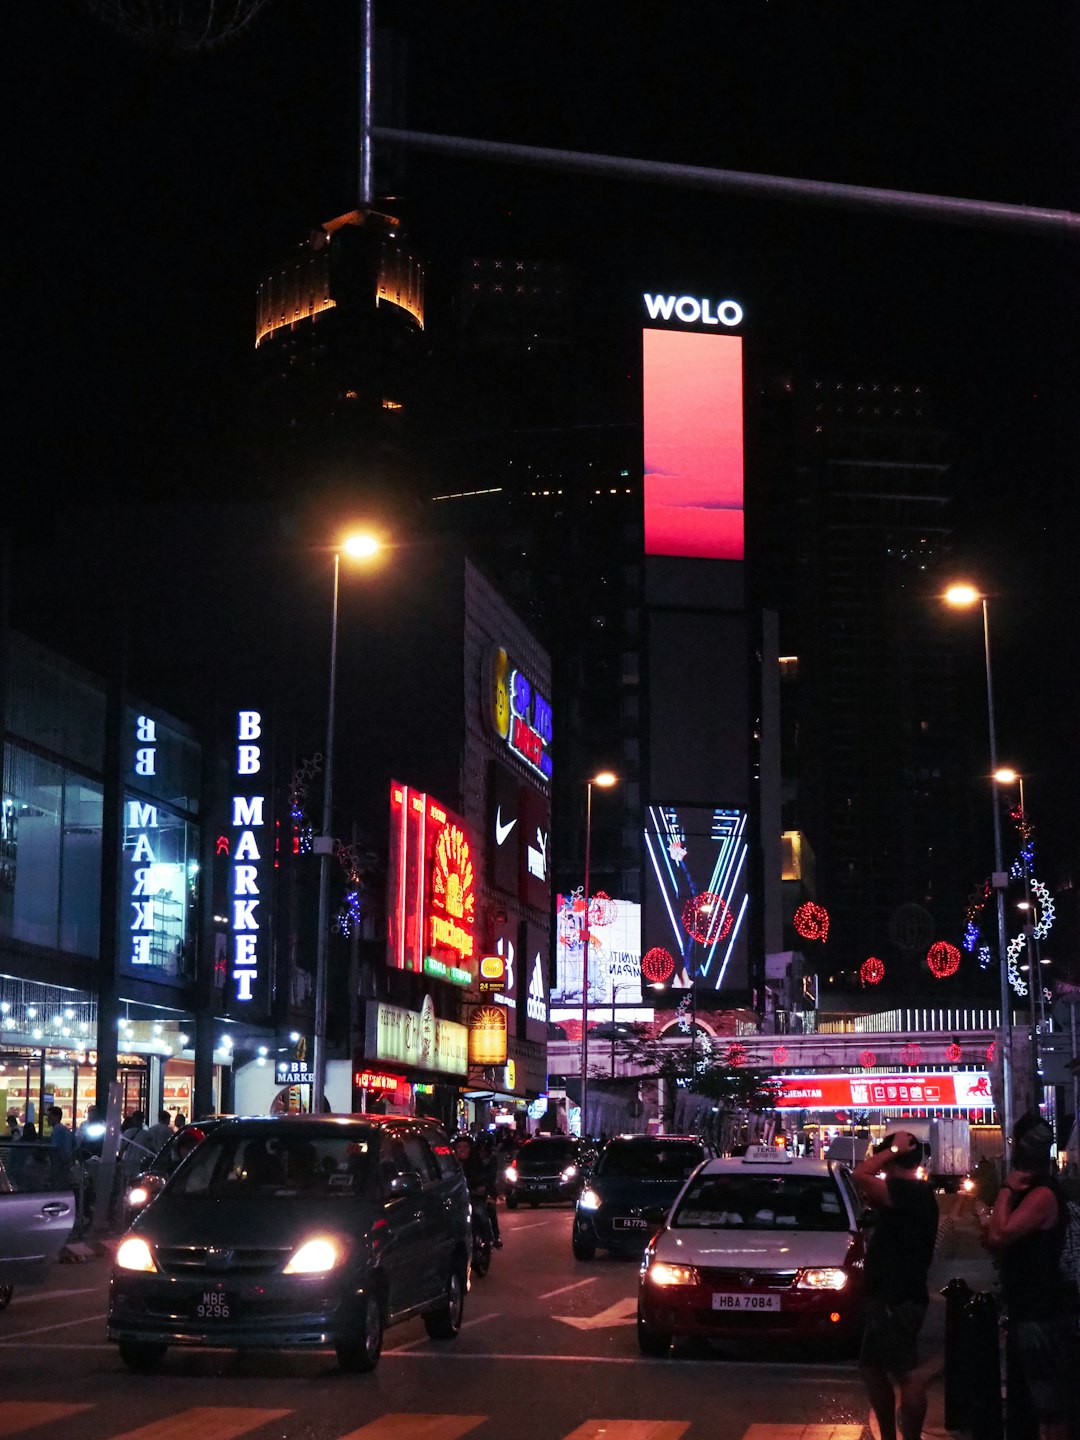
x=947 y=209
x=367 y=67
x=585 y=971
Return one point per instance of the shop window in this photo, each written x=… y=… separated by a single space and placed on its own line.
x=159 y=876
x=54 y=705
x=30 y=845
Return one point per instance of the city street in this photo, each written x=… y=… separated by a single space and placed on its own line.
x=547 y=1351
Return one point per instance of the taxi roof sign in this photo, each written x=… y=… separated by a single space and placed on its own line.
x=756 y=1154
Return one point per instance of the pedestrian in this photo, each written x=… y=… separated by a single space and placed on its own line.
x=179 y=1121
x=135 y=1152
x=898 y=1258
x=1025 y=1235
x=61 y=1147
x=159 y=1133
x=14 y=1128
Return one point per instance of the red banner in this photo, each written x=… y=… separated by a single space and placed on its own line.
x=962 y=1089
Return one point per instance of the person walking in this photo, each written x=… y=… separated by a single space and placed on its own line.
x=1025 y=1235
x=898 y=1258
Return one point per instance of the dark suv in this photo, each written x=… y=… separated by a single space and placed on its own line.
x=297 y=1230
x=547 y=1168
x=630 y=1189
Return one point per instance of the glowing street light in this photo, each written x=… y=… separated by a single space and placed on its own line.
x=358 y=546
x=964 y=595
x=605 y=779
x=1007 y=776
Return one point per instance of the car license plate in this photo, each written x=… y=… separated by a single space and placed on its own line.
x=213 y=1306
x=722 y=1301
x=630 y=1222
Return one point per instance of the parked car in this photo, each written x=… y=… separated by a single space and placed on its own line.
x=547 y=1168
x=630 y=1190
x=764 y=1245
x=151 y=1181
x=297 y=1230
x=37 y=1213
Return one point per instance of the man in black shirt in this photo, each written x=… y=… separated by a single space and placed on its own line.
x=897 y=1261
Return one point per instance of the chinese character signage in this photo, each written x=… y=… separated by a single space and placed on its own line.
x=431 y=900
x=417 y=1038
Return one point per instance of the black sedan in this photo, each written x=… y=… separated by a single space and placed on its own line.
x=631 y=1189
x=547 y=1169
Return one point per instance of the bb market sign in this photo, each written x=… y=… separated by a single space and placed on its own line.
x=417 y=1038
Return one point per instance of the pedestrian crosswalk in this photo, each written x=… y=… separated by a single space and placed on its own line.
x=229 y=1422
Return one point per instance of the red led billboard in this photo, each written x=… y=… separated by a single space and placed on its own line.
x=693 y=436
x=431 y=885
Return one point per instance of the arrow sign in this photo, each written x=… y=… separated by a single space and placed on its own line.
x=623 y=1312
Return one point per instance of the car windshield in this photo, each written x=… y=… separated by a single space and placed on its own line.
x=761 y=1202
x=541 y=1154
x=277 y=1166
x=631 y=1160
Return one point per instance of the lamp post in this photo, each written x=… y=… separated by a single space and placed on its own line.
x=1008 y=776
x=359 y=547
x=965 y=595
x=605 y=779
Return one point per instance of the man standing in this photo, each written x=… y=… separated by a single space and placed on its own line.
x=898 y=1258
x=156 y=1135
x=61 y=1146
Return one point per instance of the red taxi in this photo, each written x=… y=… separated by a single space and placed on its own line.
x=760 y=1245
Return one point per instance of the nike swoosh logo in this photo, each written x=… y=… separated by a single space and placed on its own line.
x=501 y=830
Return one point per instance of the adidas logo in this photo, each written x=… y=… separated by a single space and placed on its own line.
x=536 y=1002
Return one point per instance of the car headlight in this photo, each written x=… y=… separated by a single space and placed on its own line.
x=661 y=1273
x=967 y=1185
x=135 y=1254
x=138 y=1195
x=589 y=1200
x=512 y=1174
x=569 y=1172
x=827 y=1278
x=315 y=1257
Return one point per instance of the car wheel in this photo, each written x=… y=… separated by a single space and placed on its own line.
x=6 y=1292
x=652 y=1342
x=138 y=1355
x=583 y=1247
x=445 y=1322
x=481 y=1256
x=358 y=1356
x=511 y=1201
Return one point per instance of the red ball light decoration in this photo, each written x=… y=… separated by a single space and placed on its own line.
x=943 y=959
x=953 y=1052
x=736 y=1054
x=781 y=1055
x=706 y=918
x=867 y=1059
x=871 y=971
x=811 y=921
x=991 y=1051
x=911 y=1054
x=657 y=966
x=602 y=909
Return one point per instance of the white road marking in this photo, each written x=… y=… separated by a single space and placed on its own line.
x=51 y=1295
x=44 y=1329
x=623 y=1312
x=563 y=1289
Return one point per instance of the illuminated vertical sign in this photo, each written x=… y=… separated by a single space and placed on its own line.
x=431 y=886
x=142 y=826
x=247 y=823
x=518 y=713
x=693 y=439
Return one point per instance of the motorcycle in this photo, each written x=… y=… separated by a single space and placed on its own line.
x=482 y=1239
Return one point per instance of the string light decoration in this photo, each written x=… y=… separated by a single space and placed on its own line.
x=299 y=785
x=1042 y=926
x=781 y=1055
x=985 y=957
x=736 y=1054
x=872 y=971
x=683 y=1017
x=911 y=1054
x=707 y=919
x=657 y=966
x=943 y=959
x=603 y=910
x=811 y=921
x=991 y=1051
x=953 y=1053
x=1017 y=946
x=867 y=1059
x=971 y=936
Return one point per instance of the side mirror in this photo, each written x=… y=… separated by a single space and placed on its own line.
x=406 y=1182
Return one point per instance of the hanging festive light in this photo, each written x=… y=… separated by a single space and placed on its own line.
x=1042 y=926
x=985 y=957
x=971 y=936
x=943 y=959
x=911 y=1054
x=991 y=1051
x=781 y=1055
x=871 y=971
x=1017 y=946
x=603 y=910
x=706 y=918
x=953 y=1053
x=657 y=966
x=867 y=1059
x=811 y=921
x=736 y=1054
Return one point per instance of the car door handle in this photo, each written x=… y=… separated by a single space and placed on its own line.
x=56 y=1207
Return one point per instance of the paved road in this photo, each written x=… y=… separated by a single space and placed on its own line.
x=547 y=1352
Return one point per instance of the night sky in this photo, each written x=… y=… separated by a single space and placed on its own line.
x=146 y=193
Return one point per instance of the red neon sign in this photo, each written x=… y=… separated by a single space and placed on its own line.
x=376 y=1080
x=431 y=887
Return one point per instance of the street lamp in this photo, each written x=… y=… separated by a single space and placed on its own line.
x=963 y=596
x=357 y=547
x=605 y=779
x=1008 y=776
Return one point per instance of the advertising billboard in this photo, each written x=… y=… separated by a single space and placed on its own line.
x=696 y=896
x=960 y=1089
x=693 y=437
x=519 y=829
x=431 y=889
x=614 y=950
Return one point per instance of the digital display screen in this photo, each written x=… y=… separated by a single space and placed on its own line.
x=614 y=950
x=696 y=897
x=693 y=438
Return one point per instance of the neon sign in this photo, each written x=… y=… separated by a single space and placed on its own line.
x=245 y=867
x=143 y=820
x=431 y=901
x=692 y=311
x=518 y=713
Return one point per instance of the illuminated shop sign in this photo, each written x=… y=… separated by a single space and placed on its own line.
x=293 y=1072
x=518 y=713
x=692 y=419
x=417 y=1038
x=487 y=1036
x=376 y=1080
x=142 y=825
x=246 y=827
x=431 y=889
x=960 y=1089
x=693 y=311
x=155 y=863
